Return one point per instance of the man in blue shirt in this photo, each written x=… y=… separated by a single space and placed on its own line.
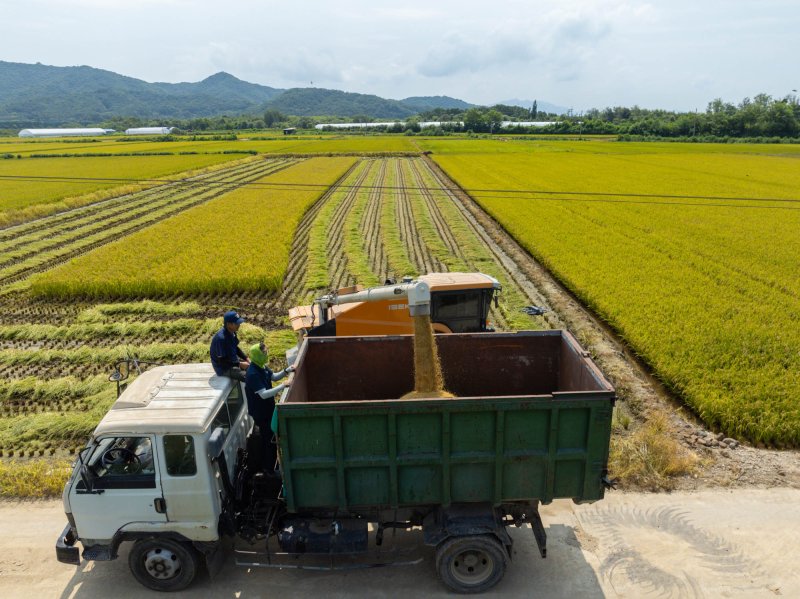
x=226 y=357
x=261 y=400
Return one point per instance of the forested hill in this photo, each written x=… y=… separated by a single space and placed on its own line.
x=37 y=94
x=314 y=101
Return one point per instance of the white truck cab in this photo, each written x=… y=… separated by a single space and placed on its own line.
x=155 y=472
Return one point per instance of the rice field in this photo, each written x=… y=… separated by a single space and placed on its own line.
x=593 y=146
x=688 y=251
x=70 y=181
x=47 y=242
x=237 y=242
x=300 y=144
x=690 y=256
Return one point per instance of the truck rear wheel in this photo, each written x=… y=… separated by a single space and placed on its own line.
x=163 y=564
x=471 y=564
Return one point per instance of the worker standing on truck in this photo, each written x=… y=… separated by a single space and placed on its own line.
x=226 y=357
x=261 y=400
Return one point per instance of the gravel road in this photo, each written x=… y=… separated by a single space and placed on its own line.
x=711 y=543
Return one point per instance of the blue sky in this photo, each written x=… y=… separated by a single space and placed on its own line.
x=676 y=54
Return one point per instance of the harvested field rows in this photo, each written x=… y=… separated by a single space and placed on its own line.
x=237 y=242
x=53 y=379
x=37 y=246
x=385 y=217
x=31 y=188
x=71 y=219
x=394 y=217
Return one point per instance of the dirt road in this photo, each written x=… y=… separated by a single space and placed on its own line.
x=734 y=543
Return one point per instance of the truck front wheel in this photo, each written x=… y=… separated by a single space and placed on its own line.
x=471 y=564
x=163 y=564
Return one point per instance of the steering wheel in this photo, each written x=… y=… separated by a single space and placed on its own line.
x=121 y=459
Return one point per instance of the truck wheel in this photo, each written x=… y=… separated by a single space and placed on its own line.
x=471 y=564
x=163 y=564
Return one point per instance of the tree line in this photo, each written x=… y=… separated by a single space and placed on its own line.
x=762 y=117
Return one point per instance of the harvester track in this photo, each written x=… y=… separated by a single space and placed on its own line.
x=418 y=252
x=445 y=232
x=371 y=230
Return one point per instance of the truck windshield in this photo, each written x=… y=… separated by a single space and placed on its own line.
x=123 y=462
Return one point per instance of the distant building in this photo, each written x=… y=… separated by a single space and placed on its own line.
x=149 y=131
x=290 y=131
x=64 y=132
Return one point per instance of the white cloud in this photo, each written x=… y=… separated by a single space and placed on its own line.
x=457 y=53
x=669 y=53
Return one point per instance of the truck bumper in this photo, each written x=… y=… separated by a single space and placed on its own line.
x=66 y=551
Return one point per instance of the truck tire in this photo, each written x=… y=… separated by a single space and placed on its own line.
x=471 y=564
x=163 y=564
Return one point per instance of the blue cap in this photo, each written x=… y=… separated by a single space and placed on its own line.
x=232 y=316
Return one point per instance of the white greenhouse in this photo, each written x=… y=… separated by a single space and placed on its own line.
x=149 y=131
x=528 y=123
x=353 y=125
x=429 y=124
x=64 y=132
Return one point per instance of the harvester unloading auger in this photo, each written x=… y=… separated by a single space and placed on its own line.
x=417 y=293
x=428 y=380
x=459 y=302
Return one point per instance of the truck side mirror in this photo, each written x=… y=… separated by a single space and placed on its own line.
x=215 y=442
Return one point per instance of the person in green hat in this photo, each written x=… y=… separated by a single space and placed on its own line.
x=261 y=399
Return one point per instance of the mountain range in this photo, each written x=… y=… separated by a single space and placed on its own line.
x=42 y=95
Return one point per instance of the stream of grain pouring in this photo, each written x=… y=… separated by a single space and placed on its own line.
x=428 y=380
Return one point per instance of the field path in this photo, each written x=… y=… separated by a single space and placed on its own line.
x=683 y=545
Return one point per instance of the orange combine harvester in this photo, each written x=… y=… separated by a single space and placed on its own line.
x=459 y=303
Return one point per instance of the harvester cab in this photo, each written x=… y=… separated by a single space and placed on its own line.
x=456 y=302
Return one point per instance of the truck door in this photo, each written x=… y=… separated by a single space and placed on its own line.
x=126 y=487
x=232 y=417
x=185 y=479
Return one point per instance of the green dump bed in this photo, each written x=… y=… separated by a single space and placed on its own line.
x=531 y=421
